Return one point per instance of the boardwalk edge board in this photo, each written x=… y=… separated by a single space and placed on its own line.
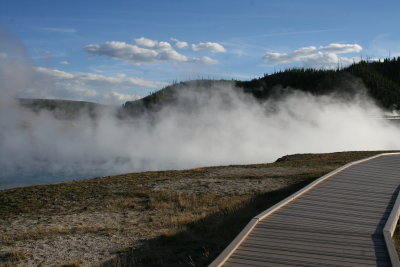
x=387 y=231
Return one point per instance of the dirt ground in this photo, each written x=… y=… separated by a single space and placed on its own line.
x=87 y=222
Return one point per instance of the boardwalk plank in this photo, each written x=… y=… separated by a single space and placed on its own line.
x=343 y=249
x=338 y=222
x=338 y=240
x=339 y=210
x=309 y=257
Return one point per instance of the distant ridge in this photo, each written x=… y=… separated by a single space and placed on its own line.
x=168 y=95
x=63 y=109
x=381 y=79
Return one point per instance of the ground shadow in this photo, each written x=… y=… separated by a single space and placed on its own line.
x=201 y=241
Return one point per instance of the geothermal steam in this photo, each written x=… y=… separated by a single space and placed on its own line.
x=213 y=126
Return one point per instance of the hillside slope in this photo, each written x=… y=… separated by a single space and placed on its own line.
x=381 y=79
x=64 y=109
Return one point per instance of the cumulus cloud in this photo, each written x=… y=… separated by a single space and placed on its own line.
x=149 y=43
x=144 y=50
x=205 y=60
x=341 y=48
x=312 y=56
x=141 y=52
x=209 y=46
x=119 y=81
x=64 y=62
x=54 y=73
x=155 y=45
x=180 y=44
x=118 y=97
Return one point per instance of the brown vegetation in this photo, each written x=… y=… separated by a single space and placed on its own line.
x=178 y=218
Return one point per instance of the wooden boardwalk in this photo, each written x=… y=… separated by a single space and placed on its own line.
x=336 y=221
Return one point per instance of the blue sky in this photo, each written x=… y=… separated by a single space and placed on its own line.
x=114 y=51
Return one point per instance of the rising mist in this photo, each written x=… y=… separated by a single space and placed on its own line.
x=213 y=126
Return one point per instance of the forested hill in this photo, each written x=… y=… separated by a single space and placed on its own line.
x=64 y=109
x=381 y=79
x=169 y=95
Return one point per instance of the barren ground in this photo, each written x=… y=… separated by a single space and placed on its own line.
x=179 y=218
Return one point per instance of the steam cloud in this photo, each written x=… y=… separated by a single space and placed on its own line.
x=213 y=126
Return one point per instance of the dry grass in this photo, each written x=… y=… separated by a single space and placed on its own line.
x=174 y=218
x=45 y=232
x=71 y=264
x=13 y=257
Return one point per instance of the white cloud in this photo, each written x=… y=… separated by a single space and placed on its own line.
x=123 y=51
x=119 y=81
x=88 y=86
x=54 y=73
x=209 y=46
x=341 y=48
x=322 y=57
x=296 y=55
x=205 y=60
x=180 y=44
x=145 y=42
x=64 y=62
x=144 y=50
x=151 y=51
x=117 y=98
